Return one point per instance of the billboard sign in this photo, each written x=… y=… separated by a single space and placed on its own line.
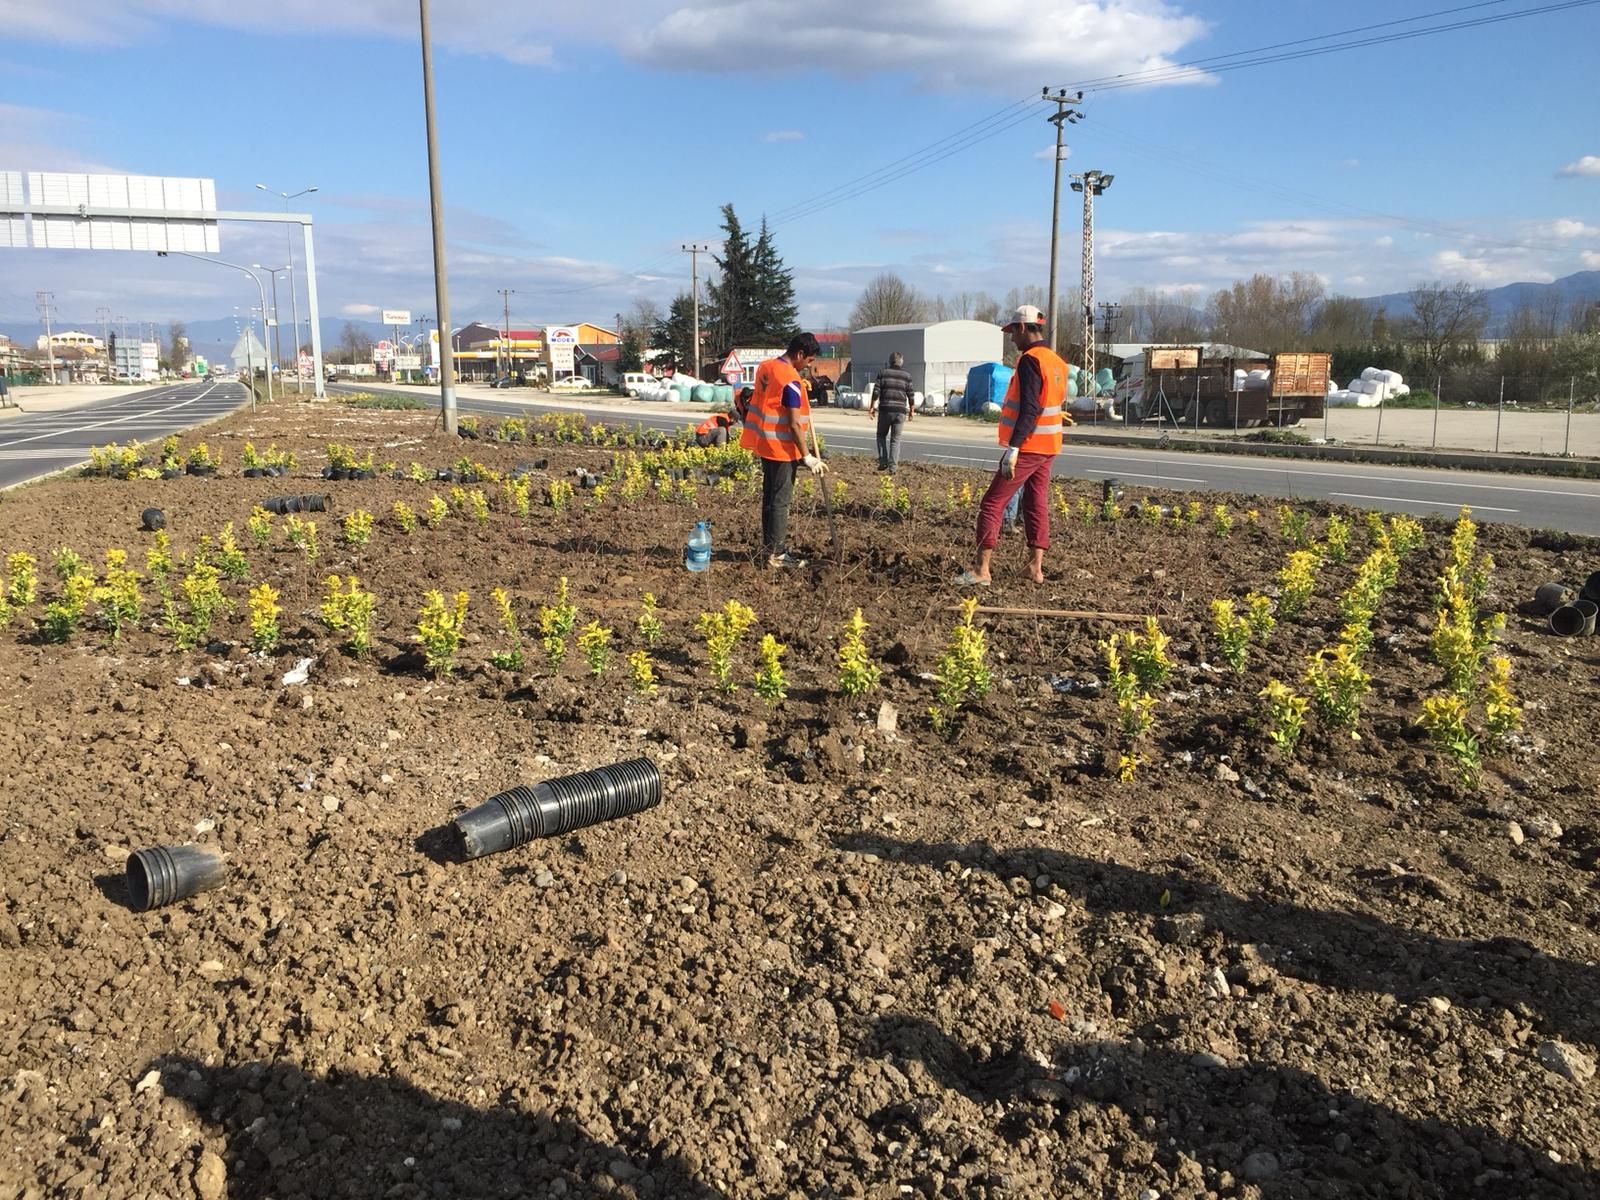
x=563 y=342
x=408 y=362
x=397 y=316
x=433 y=347
x=383 y=354
x=84 y=230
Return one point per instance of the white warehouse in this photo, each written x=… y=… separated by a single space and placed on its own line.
x=938 y=356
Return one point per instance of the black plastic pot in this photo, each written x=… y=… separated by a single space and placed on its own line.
x=448 y=475
x=171 y=472
x=1591 y=588
x=152 y=519
x=255 y=472
x=295 y=504
x=1551 y=596
x=163 y=874
x=1570 y=620
x=558 y=806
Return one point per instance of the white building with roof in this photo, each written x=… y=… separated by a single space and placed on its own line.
x=938 y=355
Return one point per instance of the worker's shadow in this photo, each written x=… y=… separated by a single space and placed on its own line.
x=1350 y=951
x=291 y=1134
x=1322 y=1142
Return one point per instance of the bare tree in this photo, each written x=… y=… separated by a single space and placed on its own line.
x=642 y=319
x=178 y=353
x=986 y=308
x=1265 y=312
x=888 y=300
x=1444 y=318
x=1341 y=321
x=1163 y=317
x=357 y=346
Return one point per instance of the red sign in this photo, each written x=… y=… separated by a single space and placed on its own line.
x=731 y=364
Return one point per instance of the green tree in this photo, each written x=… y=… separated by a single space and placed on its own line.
x=777 y=314
x=734 y=320
x=674 y=332
x=632 y=351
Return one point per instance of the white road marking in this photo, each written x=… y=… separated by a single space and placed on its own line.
x=1452 y=504
x=182 y=403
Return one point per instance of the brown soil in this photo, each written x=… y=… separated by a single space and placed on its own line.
x=834 y=961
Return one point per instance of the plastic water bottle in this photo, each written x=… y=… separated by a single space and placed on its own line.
x=697 y=554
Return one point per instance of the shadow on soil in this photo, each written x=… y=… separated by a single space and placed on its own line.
x=1348 y=951
x=1280 y=1128
x=290 y=1134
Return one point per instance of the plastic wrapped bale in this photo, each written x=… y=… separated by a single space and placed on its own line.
x=933 y=402
x=1105 y=379
x=986 y=384
x=956 y=404
x=703 y=393
x=1370 y=373
x=1394 y=379
x=991 y=411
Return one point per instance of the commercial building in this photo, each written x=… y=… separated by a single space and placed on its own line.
x=563 y=345
x=62 y=339
x=937 y=356
x=484 y=352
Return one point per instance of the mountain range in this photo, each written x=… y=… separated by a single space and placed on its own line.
x=213 y=338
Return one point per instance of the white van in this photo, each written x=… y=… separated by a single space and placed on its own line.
x=632 y=381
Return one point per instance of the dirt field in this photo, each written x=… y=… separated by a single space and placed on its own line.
x=846 y=956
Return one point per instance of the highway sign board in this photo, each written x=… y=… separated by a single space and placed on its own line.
x=397 y=316
x=84 y=230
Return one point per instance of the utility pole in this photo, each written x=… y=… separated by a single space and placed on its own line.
x=1091 y=184
x=441 y=284
x=1110 y=314
x=45 y=299
x=103 y=315
x=294 y=299
x=505 y=329
x=694 y=250
x=1065 y=114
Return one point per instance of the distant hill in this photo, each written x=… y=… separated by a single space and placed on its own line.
x=1504 y=301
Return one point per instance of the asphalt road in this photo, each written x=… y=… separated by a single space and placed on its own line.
x=1567 y=504
x=36 y=444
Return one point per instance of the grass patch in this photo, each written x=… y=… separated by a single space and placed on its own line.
x=373 y=400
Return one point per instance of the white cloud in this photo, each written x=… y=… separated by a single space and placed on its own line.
x=1591 y=259
x=1563 y=229
x=1589 y=164
x=1384 y=242
x=784 y=135
x=942 y=43
x=1350 y=164
x=359 y=310
x=1490 y=268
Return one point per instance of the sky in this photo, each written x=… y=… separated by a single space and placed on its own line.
x=580 y=152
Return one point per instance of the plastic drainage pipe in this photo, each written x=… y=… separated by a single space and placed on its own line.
x=558 y=806
x=295 y=504
x=1569 y=621
x=163 y=874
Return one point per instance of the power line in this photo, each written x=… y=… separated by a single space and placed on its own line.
x=1179 y=72
x=983 y=131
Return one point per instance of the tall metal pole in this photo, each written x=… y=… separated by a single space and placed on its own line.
x=1499 y=413
x=441 y=285
x=294 y=300
x=1063 y=114
x=317 y=388
x=49 y=338
x=1091 y=184
x=694 y=250
x=1438 y=383
x=505 y=328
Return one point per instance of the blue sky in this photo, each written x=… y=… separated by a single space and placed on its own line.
x=580 y=151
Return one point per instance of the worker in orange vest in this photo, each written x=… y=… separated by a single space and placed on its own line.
x=776 y=428
x=713 y=431
x=1031 y=422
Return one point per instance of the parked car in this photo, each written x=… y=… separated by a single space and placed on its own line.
x=632 y=381
x=503 y=382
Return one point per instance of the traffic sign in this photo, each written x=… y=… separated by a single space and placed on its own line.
x=731 y=364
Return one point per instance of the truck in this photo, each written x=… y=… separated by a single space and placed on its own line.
x=1179 y=384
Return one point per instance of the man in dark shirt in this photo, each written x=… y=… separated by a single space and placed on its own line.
x=891 y=400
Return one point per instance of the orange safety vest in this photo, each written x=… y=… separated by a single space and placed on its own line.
x=714 y=421
x=1046 y=436
x=767 y=431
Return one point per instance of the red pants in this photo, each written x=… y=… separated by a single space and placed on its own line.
x=1033 y=476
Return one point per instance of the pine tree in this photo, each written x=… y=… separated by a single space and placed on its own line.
x=777 y=315
x=733 y=319
x=674 y=332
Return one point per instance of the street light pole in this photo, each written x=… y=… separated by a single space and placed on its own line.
x=294 y=300
x=441 y=284
x=277 y=325
x=261 y=291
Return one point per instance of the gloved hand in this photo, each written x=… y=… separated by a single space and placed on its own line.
x=1008 y=463
x=814 y=464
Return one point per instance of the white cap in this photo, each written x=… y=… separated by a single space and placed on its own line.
x=1026 y=315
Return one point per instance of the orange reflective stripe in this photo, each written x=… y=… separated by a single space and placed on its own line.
x=1046 y=435
x=767 y=429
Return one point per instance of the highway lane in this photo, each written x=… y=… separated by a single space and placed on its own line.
x=37 y=444
x=1544 y=503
